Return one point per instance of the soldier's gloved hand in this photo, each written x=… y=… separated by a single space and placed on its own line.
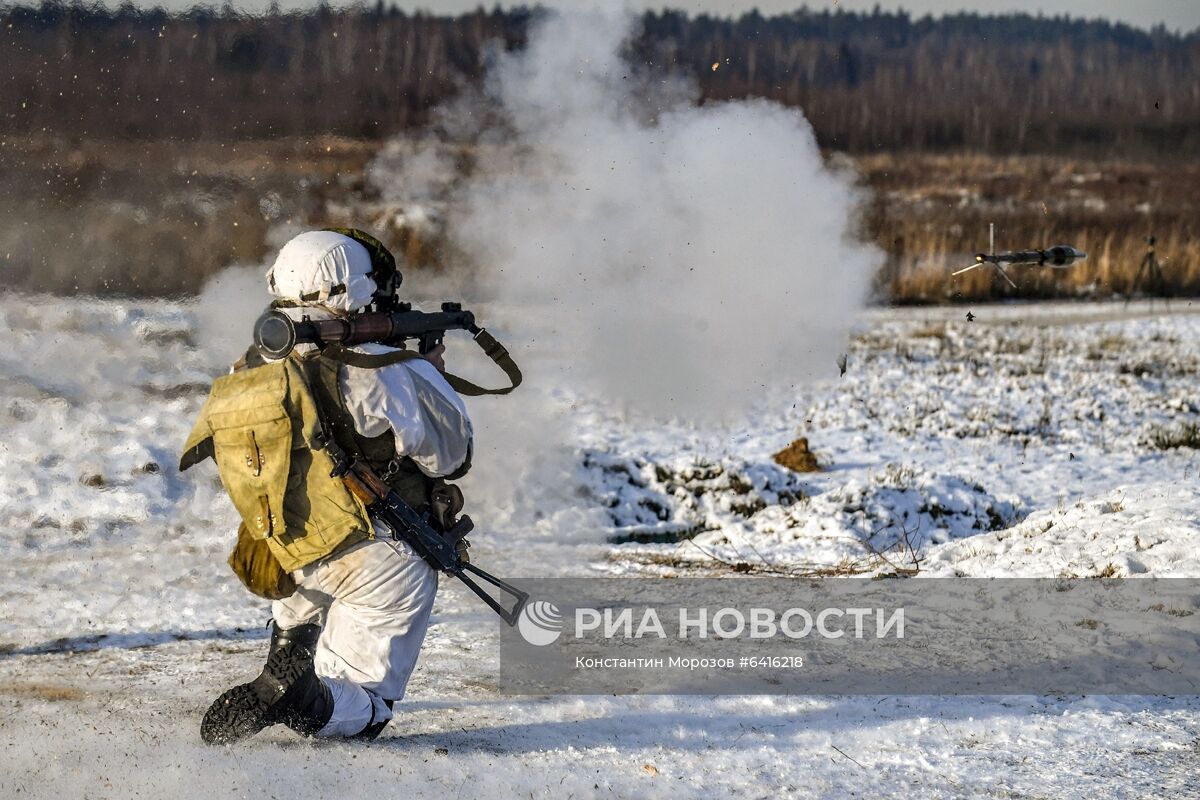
x=436 y=356
x=462 y=547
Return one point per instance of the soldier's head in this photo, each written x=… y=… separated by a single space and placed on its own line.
x=343 y=270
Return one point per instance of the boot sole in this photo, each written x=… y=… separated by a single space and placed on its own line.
x=245 y=710
x=238 y=714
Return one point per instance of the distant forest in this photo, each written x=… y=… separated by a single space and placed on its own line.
x=867 y=82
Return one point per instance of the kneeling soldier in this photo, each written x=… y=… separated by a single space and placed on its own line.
x=351 y=604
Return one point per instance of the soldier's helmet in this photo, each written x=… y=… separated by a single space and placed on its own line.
x=342 y=269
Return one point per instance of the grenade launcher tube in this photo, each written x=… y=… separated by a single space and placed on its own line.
x=275 y=333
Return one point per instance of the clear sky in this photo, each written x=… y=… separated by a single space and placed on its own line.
x=1175 y=14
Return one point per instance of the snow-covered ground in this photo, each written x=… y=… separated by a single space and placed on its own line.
x=1020 y=443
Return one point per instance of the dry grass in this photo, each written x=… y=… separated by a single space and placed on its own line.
x=679 y=564
x=153 y=218
x=1186 y=435
x=157 y=218
x=55 y=693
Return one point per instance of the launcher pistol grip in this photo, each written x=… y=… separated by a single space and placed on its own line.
x=429 y=341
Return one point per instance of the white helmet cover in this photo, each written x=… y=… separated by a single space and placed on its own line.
x=323 y=268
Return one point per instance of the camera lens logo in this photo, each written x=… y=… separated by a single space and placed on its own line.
x=540 y=623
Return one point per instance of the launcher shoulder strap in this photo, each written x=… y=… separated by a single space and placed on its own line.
x=500 y=357
x=493 y=349
x=353 y=358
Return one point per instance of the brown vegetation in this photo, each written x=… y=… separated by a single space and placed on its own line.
x=55 y=693
x=82 y=71
x=157 y=217
x=797 y=457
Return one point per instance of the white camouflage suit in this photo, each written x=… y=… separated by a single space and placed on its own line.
x=373 y=598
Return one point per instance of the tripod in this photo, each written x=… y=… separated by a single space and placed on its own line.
x=1155 y=282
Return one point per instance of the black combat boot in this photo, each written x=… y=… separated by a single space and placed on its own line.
x=306 y=635
x=287 y=692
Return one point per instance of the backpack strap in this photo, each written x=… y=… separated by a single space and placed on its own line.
x=491 y=348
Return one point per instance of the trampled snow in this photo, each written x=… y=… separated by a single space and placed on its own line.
x=1023 y=443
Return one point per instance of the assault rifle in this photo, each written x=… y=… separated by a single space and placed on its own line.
x=439 y=550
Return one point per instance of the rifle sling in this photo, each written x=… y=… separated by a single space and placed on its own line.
x=491 y=348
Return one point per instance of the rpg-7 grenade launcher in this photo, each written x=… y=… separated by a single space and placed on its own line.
x=275 y=333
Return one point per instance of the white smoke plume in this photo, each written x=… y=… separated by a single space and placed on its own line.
x=676 y=261
x=686 y=257
x=226 y=309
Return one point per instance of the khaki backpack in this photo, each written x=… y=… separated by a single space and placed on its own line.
x=262 y=427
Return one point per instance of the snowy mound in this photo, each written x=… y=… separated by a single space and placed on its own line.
x=1139 y=531
x=760 y=516
x=97 y=400
x=928 y=508
x=669 y=502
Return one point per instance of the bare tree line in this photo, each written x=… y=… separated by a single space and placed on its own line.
x=867 y=82
x=1011 y=83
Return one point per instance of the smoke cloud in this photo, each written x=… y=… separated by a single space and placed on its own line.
x=226 y=309
x=674 y=261
x=686 y=257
